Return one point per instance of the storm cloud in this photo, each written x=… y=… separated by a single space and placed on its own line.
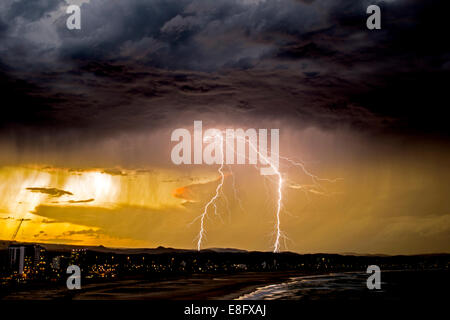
x=142 y=64
x=53 y=192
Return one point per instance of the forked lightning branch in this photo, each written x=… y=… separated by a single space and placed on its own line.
x=227 y=147
x=235 y=147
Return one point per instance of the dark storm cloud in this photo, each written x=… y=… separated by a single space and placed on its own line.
x=88 y=232
x=81 y=201
x=3 y=28
x=142 y=63
x=53 y=192
x=31 y=10
x=46 y=221
x=114 y=172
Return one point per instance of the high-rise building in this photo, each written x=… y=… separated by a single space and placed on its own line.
x=16 y=258
x=25 y=258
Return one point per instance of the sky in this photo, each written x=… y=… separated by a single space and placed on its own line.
x=87 y=117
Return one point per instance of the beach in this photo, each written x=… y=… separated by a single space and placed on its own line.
x=396 y=286
x=194 y=287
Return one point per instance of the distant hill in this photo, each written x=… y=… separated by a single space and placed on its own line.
x=67 y=247
x=160 y=250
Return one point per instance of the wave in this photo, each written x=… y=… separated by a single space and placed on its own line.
x=310 y=287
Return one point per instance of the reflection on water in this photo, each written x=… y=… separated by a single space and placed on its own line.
x=311 y=287
x=396 y=286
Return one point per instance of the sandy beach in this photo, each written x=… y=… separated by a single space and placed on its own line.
x=195 y=287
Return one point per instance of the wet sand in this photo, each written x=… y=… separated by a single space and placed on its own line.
x=196 y=287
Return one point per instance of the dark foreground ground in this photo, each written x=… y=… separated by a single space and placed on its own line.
x=397 y=286
x=283 y=295
x=195 y=287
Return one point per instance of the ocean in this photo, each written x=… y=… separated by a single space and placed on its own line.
x=396 y=286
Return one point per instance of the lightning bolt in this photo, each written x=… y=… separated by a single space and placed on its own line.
x=212 y=201
x=279 y=235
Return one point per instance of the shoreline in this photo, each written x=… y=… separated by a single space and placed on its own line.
x=246 y=288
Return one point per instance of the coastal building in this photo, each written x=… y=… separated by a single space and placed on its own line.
x=25 y=259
